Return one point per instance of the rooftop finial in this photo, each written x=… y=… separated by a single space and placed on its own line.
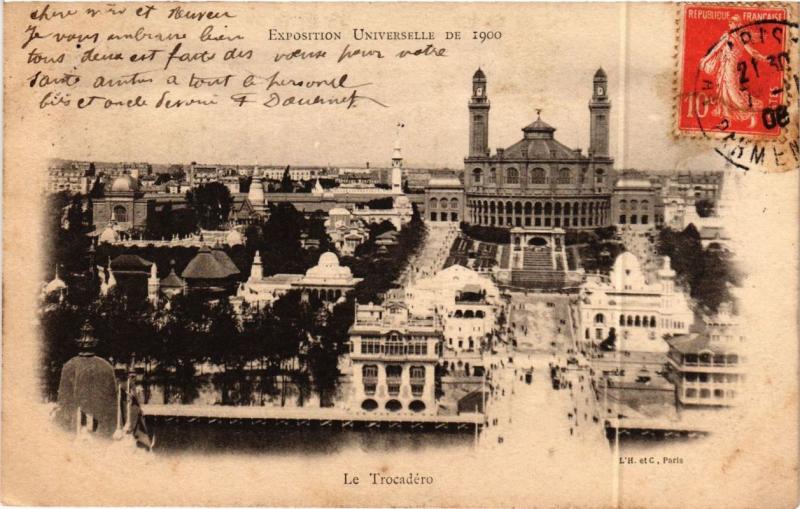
x=538 y=112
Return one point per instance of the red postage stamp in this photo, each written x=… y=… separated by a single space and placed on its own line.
x=733 y=61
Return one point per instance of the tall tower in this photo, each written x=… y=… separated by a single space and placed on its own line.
x=599 y=109
x=397 y=164
x=152 y=285
x=478 y=117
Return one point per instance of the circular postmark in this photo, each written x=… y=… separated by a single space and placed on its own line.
x=739 y=84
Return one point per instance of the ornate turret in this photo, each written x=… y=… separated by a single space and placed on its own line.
x=256 y=195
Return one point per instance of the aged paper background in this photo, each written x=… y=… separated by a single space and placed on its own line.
x=545 y=59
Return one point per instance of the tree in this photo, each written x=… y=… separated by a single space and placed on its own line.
x=279 y=242
x=162 y=178
x=287 y=185
x=67 y=224
x=60 y=326
x=704 y=207
x=492 y=234
x=212 y=204
x=244 y=183
x=708 y=273
x=381 y=203
x=610 y=343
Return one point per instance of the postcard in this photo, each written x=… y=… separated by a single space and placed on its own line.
x=400 y=254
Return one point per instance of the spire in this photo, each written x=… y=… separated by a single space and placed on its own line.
x=397 y=154
x=256 y=271
x=153 y=285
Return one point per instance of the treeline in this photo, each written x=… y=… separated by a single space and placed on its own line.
x=708 y=272
x=381 y=270
x=597 y=248
x=296 y=342
x=494 y=234
x=292 y=342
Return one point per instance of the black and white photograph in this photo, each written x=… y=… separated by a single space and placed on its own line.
x=421 y=255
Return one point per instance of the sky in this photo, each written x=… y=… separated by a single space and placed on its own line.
x=545 y=59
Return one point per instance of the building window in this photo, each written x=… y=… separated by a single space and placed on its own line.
x=633 y=218
x=476 y=176
x=691 y=393
x=418 y=348
x=370 y=346
x=537 y=176
x=393 y=374
x=512 y=176
x=434 y=202
x=417 y=372
x=120 y=214
x=645 y=219
x=453 y=203
x=705 y=393
x=394 y=346
x=493 y=176
x=564 y=176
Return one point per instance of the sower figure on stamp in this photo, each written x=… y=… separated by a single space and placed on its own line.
x=732 y=98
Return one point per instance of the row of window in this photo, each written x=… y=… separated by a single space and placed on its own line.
x=718 y=378
x=393 y=375
x=630 y=320
x=634 y=205
x=442 y=216
x=706 y=393
x=727 y=338
x=538 y=221
x=393 y=371
x=709 y=359
x=394 y=347
x=538 y=208
x=537 y=176
x=634 y=219
x=468 y=314
x=443 y=203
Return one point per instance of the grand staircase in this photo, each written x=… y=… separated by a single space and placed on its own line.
x=538 y=271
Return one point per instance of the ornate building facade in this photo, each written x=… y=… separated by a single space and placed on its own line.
x=538 y=181
x=640 y=313
x=393 y=355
